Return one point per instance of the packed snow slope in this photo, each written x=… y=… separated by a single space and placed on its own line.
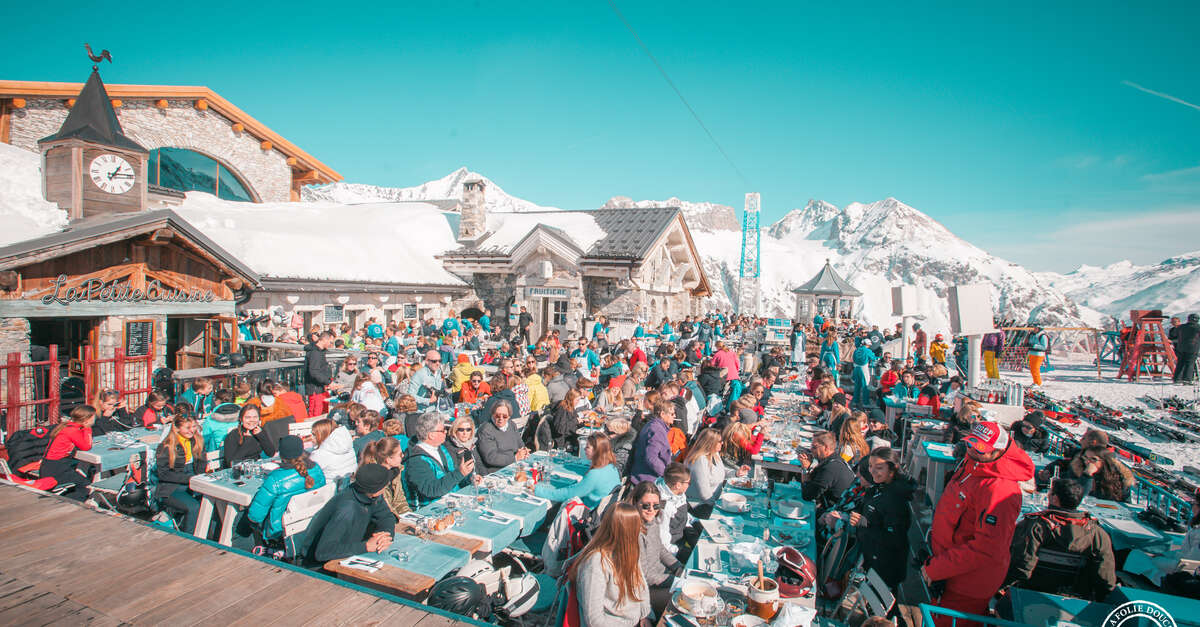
x=1172 y=285
x=874 y=246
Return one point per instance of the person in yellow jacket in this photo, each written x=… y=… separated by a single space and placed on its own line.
x=937 y=350
x=539 y=396
x=462 y=372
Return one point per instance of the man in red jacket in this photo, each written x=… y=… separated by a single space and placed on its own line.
x=971 y=537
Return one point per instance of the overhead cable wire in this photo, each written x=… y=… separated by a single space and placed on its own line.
x=675 y=88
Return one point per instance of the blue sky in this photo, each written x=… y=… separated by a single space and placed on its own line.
x=1015 y=126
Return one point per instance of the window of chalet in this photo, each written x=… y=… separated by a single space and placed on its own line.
x=187 y=170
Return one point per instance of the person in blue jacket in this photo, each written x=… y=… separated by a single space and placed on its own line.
x=599 y=327
x=863 y=359
x=831 y=356
x=296 y=474
x=596 y=484
x=485 y=321
x=585 y=355
x=667 y=333
x=199 y=396
x=705 y=335
x=907 y=389
x=451 y=324
x=430 y=470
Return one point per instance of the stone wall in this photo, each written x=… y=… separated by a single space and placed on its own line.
x=181 y=125
x=14 y=337
x=495 y=290
x=110 y=334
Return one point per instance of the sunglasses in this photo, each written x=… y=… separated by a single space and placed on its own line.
x=434 y=361
x=650 y=506
x=463 y=430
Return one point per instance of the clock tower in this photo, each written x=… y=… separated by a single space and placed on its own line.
x=89 y=167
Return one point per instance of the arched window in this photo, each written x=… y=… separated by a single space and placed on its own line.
x=187 y=170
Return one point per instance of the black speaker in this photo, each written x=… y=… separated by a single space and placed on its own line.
x=226 y=361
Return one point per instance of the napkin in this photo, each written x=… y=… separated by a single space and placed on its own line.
x=791 y=614
x=495 y=518
x=362 y=563
x=531 y=500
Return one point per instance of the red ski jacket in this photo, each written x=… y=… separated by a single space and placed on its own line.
x=72 y=436
x=971 y=536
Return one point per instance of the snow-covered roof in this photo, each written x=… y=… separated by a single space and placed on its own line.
x=827 y=281
x=393 y=243
x=622 y=233
x=86 y=233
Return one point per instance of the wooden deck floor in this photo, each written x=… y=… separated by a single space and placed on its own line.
x=62 y=563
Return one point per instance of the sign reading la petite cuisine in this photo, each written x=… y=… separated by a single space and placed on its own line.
x=116 y=291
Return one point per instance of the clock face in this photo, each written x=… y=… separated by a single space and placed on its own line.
x=112 y=174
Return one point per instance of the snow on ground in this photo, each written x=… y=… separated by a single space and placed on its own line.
x=23 y=213
x=1075 y=375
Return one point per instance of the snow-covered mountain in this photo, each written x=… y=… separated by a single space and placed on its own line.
x=448 y=187
x=1172 y=285
x=876 y=246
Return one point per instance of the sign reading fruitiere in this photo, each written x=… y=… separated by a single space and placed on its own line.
x=117 y=291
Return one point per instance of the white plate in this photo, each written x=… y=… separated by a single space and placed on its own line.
x=746 y=620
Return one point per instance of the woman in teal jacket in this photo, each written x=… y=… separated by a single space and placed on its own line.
x=831 y=356
x=295 y=475
x=596 y=484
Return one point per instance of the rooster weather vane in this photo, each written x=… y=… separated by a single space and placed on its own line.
x=97 y=58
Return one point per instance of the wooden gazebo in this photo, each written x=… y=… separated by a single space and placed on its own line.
x=827 y=293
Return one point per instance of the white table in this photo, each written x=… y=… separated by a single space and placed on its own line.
x=224 y=494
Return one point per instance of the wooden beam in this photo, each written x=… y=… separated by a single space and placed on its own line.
x=116 y=103
x=18 y=103
x=44 y=89
x=265 y=145
x=238 y=127
x=292 y=161
x=161 y=237
x=70 y=102
x=161 y=103
x=5 y=123
x=305 y=177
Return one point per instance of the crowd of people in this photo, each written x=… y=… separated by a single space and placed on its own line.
x=414 y=416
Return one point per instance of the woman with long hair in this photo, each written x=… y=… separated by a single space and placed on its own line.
x=739 y=444
x=882 y=519
x=73 y=434
x=296 y=474
x=597 y=482
x=387 y=453
x=657 y=560
x=703 y=460
x=334 y=450
x=369 y=391
x=247 y=440
x=110 y=413
x=852 y=446
x=154 y=412
x=611 y=399
x=607 y=575
x=565 y=420
x=178 y=458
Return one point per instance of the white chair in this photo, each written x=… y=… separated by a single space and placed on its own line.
x=693 y=416
x=212 y=460
x=303 y=507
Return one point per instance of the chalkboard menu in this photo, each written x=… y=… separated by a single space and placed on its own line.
x=334 y=313
x=410 y=311
x=139 y=338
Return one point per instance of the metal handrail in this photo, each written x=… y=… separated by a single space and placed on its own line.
x=929 y=611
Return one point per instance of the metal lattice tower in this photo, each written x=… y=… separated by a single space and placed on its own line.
x=748 y=274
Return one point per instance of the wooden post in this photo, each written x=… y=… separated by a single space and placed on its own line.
x=13 y=381
x=53 y=411
x=119 y=369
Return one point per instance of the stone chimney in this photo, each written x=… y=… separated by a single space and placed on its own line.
x=472 y=223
